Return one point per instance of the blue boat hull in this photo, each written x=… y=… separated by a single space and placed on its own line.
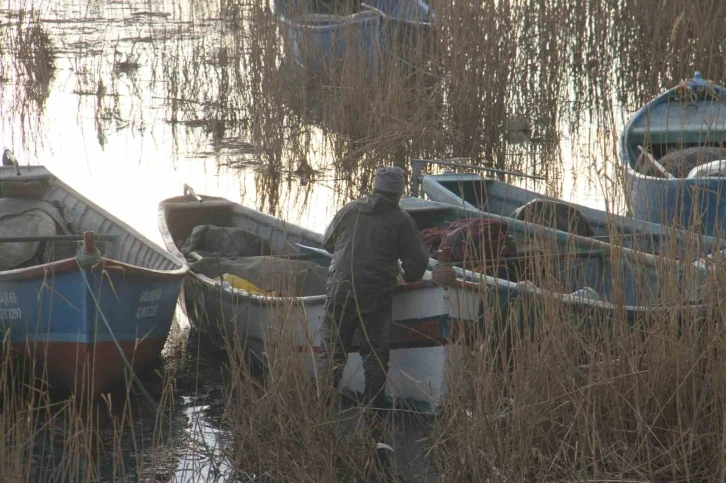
x=84 y=328
x=78 y=325
x=324 y=47
x=689 y=203
x=323 y=44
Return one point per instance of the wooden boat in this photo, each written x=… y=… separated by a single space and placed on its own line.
x=85 y=317
x=476 y=192
x=322 y=44
x=407 y=25
x=583 y=274
x=424 y=314
x=671 y=152
x=587 y=276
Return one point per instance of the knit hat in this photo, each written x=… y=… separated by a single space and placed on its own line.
x=389 y=178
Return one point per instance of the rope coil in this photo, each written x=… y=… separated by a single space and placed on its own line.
x=88 y=259
x=443 y=273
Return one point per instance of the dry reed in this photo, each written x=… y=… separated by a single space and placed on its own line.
x=641 y=400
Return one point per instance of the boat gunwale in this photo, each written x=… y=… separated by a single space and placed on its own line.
x=364 y=17
x=41 y=173
x=72 y=264
x=618 y=220
x=500 y=283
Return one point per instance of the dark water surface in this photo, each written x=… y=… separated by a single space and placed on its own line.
x=128 y=100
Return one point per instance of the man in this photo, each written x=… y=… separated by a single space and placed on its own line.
x=367 y=238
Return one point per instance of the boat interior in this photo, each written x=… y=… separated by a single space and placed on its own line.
x=503 y=199
x=681 y=137
x=36 y=203
x=250 y=250
x=561 y=266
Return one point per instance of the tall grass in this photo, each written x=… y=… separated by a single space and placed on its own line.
x=634 y=399
x=55 y=436
x=545 y=390
x=591 y=395
x=570 y=69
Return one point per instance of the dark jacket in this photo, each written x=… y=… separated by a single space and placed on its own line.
x=367 y=238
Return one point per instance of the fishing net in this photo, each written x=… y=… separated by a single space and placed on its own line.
x=680 y=162
x=472 y=239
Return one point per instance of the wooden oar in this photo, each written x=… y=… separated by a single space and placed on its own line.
x=522 y=258
x=189 y=191
x=654 y=164
x=9 y=159
x=319 y=251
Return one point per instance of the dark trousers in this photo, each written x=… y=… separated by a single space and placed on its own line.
x=372 y=318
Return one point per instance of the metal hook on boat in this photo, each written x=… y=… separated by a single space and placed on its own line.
x=189 y=191
x=9 y=159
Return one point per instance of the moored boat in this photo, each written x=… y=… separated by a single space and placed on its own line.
x=323 y=44
x=407 y=26
x=252 y=298
x=476 y=192
x=583 y=274
x=82 y=294
x=674 y=160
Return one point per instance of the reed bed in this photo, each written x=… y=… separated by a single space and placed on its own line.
x=122 y=435
x=542 y=393
x=558 y=69
x=590 y=395
x=543 y=390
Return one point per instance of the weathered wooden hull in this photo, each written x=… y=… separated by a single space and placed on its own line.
x=85 y=325
x=423 y=313
x=670 y=120
x=473 y=192
x=422 y=346
x=323 y=44
x=627 y=281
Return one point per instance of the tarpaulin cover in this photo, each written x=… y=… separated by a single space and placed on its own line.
x=23 y=217
x=294 y=278
x=210 y=240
